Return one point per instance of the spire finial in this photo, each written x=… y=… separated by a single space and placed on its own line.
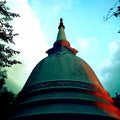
x=61 y=24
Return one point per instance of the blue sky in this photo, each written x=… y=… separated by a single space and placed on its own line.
x=97 y=41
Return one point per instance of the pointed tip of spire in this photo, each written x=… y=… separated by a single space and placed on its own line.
x=61 y=24
x=61 y=34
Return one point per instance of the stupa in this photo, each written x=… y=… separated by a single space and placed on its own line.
x=63 y=86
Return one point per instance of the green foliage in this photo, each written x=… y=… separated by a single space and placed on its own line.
x=6 y=37
x=6 y=57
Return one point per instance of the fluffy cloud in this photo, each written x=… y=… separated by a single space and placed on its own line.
x=111 y=69
x=86 y=44
x=31 y=42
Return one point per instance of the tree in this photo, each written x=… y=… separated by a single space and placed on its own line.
x=6 y=36
x=114 y=11
x=6 y=56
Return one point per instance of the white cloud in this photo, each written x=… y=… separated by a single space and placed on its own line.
x=31 y=41
x=110 y=68
x=83 y=44
x=113 y=47
x=88 y=45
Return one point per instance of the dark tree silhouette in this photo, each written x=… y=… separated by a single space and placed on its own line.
x=117 y=100
x=7 y=58
x=3 y=77
x=6 y=99
x=6 y=36
x=114 y=11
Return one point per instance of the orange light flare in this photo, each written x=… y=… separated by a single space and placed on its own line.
x=110 y=109
x=107 y=107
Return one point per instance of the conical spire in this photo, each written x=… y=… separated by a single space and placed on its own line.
x=61 y=34
x=61 y=41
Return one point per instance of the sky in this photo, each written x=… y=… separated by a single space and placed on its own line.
x=96 y=40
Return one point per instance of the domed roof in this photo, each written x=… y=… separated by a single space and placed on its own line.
x=62 y=65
